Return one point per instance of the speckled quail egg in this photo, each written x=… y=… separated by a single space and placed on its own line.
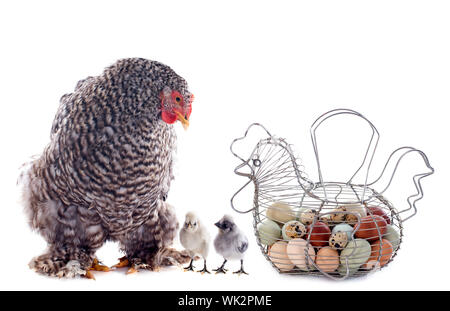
x=343 y=228
x=293 y=229
x=338 y=217
x=338 y=240
x=306 y=216
x=354 y=209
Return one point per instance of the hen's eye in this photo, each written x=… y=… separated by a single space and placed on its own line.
x=177 y=99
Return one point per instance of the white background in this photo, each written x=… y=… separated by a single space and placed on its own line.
x=246 y=61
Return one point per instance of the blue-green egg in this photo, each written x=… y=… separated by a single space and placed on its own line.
x=356 y=253
x=392 y=236
x=343 y=228
x=269 y=232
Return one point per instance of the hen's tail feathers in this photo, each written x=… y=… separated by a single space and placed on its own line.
x=25 y=190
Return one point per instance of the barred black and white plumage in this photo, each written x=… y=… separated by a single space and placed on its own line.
x=107 y=170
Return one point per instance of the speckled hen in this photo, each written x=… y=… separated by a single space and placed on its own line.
x=106 y=173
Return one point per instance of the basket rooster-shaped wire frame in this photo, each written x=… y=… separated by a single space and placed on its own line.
x=336 y=229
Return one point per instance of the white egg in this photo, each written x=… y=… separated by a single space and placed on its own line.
x=280 y=212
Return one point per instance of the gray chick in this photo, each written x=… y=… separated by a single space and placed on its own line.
x=195 y=239
x=231 y=243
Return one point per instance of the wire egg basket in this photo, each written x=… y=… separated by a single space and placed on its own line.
x=335 y=229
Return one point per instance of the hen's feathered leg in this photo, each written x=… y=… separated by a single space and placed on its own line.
x=68 y=261
x=148 y=246
x=123 y=262
x=96 y=266
x=72 y=240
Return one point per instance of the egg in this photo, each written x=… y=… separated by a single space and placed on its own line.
x=306 y=216
x=320 y=234
x=326 y=220
x=392 y=236
x=269 y=232
x=296 y=253
x=278 y=255
x=354 y=209
x=372 y=227
x=327 y=259
x=349 y=216
x=293 y=229
x=338 y=217
x=280 y=212
x=342 y=270
x=338 y=240
x=371 y=264
x=386 y=251
x=356 y=253
x=343 y=228
x=375 y=210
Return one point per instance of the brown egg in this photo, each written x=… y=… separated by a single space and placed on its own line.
x=278 y=255
x=369 y=228
x=320 y=234
x=327 y=259
x=371 y=264
x=375 y=210
x=296 y=252
x=386 y=251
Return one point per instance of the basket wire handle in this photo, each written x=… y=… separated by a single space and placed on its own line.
x=352 y=239
x=416 y=178
x=368 y=155
x=243 y=137
x=244 y=163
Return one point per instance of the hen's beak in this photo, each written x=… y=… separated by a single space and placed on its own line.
x=183 y=119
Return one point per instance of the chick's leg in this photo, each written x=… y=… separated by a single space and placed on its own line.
x=221 y=269
x=204 y=268
x=240 y=271
x=190 y=267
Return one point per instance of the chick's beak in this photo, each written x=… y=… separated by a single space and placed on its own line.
x=183 y=119
x=218 y=225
